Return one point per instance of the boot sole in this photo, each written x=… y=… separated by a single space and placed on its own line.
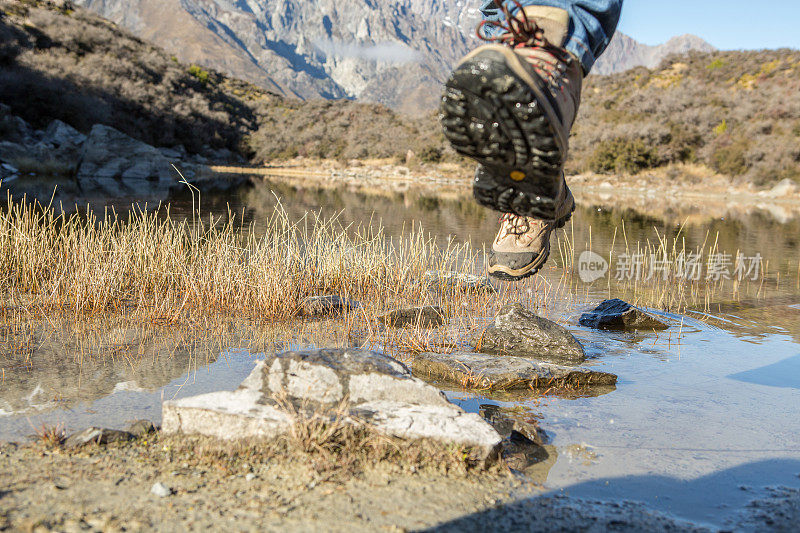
x=492 y=114
x=535 y=266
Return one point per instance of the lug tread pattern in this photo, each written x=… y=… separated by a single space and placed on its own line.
x=491 y=115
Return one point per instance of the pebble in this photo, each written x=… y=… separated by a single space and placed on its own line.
x=161 y=490
x=250 y=477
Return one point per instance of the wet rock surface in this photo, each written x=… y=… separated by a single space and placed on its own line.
x=620 y=315
x=372 y=388
x=323 y=306
x=518 y=332
x=95 y=435
x=427 y=317
x=508 y=421
x=443 y=281
x=481 y=371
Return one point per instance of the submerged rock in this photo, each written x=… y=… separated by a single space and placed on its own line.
x=322 y=306
x=480 y=371
x=428 y=316
x=365 y=387
x=95 y=435
x=519 y=332
x=619 y=314
x=447 y=281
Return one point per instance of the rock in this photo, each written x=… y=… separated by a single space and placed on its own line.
x=10 y=151
x=250 y=476
x=171 y=154
x=60 y=134
x=448 y=281
x=480 y=371
x=115 y=165
x=519 y=332
x=507 y=422
x=427 y=316
x=380 y=392
x=160 y=490
x=141 y=428
x=8 y=169
x=321 y=306
x=618 y=314
x=95 y=435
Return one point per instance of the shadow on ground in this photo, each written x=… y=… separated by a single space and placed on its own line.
x=729 y=498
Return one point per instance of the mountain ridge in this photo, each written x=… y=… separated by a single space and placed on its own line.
x=397 y=54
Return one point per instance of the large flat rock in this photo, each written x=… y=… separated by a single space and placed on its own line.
x=375 y=389
x=518 y=332
x=481 y=371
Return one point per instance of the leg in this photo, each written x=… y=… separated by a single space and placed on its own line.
x=510 y=105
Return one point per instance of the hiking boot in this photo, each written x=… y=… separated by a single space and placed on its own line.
x=522 y=245
x=510 y=106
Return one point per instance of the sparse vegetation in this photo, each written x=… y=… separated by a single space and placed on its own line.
x=731 y=111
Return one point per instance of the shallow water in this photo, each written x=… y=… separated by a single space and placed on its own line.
x=703 y=418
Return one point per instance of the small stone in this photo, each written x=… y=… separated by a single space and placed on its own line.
x=487 y=372
x=95 y=435
x=519 y=332
x=160 y=490
x=141 y=428
x=322 y=306
x=426 y=317
x=620 y=315
x=250 y=477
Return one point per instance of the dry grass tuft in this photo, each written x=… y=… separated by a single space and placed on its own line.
x=152 y=266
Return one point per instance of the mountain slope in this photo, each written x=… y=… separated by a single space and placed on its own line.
x=625 y=53
x=396 y=53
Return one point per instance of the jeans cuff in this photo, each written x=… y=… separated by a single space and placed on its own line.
x=579 y=49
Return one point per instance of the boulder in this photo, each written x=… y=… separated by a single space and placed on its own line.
x=487 y=372
x=517 y=331
x=374 y=390
x=618 y=314
x=426 y=317
x=95 y=435
x=115 y=165
x=443 y=281
x=60 y=134
x=322 y=306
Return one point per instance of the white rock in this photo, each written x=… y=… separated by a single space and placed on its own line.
x=381 y=390
x=160 y=490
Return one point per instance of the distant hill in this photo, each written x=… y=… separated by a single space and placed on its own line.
x=396 y=53
x=625 y=53
x=735 y=112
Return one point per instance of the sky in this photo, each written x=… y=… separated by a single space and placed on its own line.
x=726 y=24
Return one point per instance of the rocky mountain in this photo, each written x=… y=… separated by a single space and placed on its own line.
x=624 y=53
x=396 y=53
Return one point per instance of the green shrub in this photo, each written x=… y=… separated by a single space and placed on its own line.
x=622 y=156
x=431 y=154
x=199 y=73
x=729 y=157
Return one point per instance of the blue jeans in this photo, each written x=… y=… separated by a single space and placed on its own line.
x=592 y=23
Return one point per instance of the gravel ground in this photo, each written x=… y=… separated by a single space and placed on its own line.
x=111 y=488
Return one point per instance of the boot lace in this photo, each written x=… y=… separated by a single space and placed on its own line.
x=519 y=31
x=518 y=226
